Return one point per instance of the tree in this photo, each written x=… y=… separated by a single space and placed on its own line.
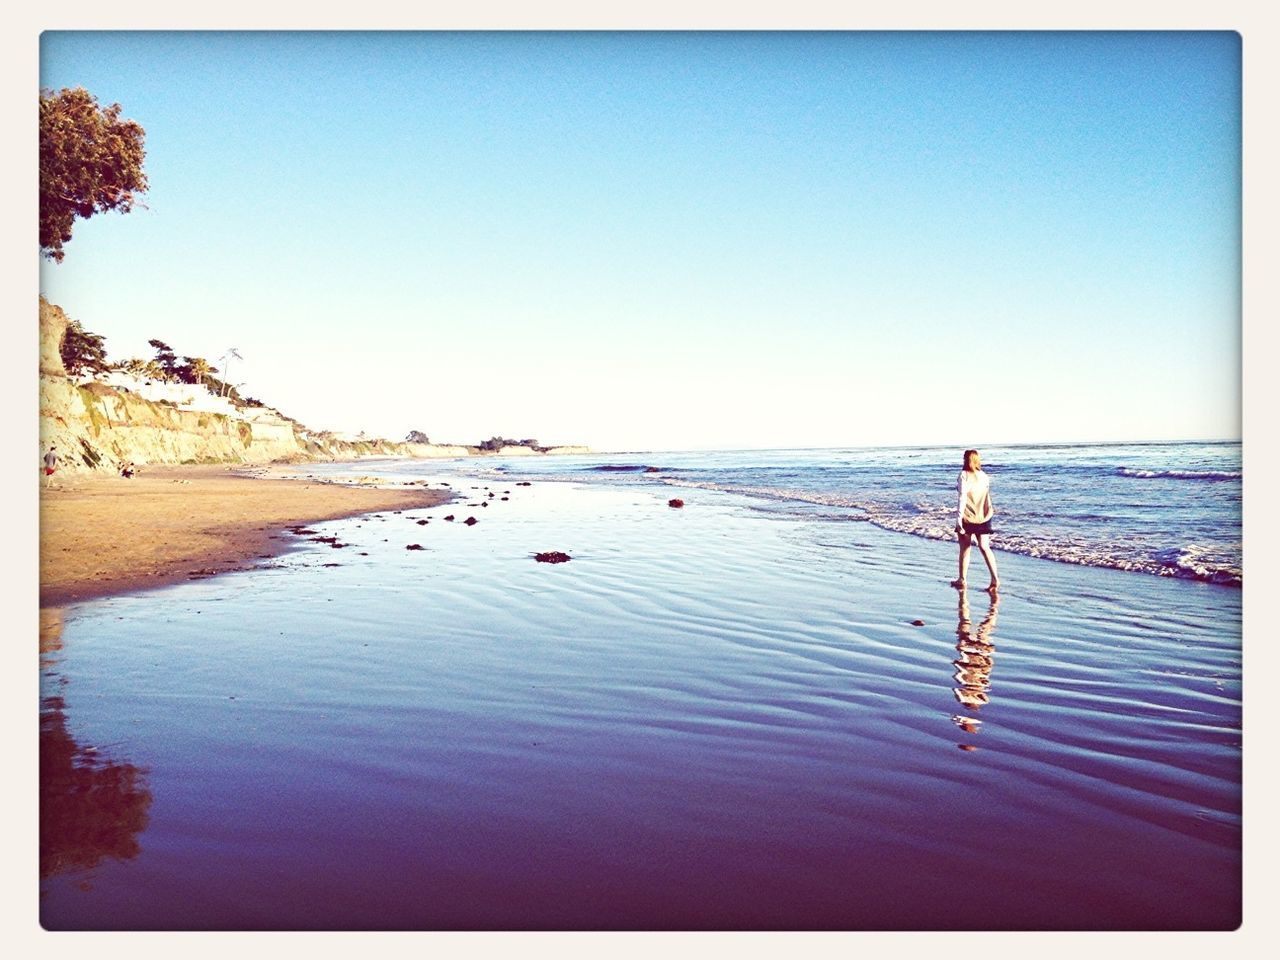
x=195 y=369
x=82 y=351
x=165 y=359
x=220 y=388
x=90 y=162
x=416 y=436
x=134 y=367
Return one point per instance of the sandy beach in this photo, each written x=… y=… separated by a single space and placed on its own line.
x=105 y=535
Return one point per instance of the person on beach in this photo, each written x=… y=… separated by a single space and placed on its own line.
x=127 y=471
x=973 y=519
x=50 y=465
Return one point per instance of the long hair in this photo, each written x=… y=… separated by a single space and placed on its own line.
x=972 y=461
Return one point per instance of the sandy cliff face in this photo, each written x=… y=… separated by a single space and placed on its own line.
x=53 y=325
x=99 y=427
x=96 y=427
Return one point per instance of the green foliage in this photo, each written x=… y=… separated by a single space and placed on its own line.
x=166 y=360
x=195 y=370
x=82 y=351
x=222 y=389
x=90 y=162
x=497 y=443
x=167 y=366
x=135 y=367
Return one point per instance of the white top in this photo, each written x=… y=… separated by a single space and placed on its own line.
x=975 y=497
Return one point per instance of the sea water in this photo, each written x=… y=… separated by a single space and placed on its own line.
x=1170 y=509
x=745 y=713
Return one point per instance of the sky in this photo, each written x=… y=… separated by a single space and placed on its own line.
x=682 y=240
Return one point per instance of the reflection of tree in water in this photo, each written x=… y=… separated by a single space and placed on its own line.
x=90 y=807
x=975 y=655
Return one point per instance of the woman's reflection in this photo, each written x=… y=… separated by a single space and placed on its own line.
x=975 y=655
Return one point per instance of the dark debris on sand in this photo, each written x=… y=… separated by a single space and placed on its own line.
x=331 y=541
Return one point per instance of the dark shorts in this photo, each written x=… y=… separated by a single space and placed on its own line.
x=973 y=529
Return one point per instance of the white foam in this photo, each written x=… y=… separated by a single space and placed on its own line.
x=1179 y=474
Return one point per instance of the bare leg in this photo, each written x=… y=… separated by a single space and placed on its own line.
x=966 y=541
x=984 y=547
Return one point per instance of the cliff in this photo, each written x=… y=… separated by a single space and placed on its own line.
x=53 y=327
x=101 y=426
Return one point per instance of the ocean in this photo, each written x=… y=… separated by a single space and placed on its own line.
x=764 y=710
x=1169 y=509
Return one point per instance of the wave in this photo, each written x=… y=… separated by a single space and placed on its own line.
x=1212 y=475
x=936 y=522
x=1199 y=562
x=623 y=468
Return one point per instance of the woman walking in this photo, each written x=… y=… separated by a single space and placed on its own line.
x=973 y=520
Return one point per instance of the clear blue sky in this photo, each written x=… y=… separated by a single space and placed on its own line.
x=682 y=240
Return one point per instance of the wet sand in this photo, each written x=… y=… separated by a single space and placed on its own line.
x=102 y=536
x=707 y=719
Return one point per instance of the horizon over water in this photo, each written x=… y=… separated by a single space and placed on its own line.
x=1164 y=508
x=763 y=711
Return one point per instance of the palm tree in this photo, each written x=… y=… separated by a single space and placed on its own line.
x=135 y=367
x=200 y=368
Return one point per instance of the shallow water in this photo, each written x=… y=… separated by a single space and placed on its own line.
x=709 y=718
x=1170 y=509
